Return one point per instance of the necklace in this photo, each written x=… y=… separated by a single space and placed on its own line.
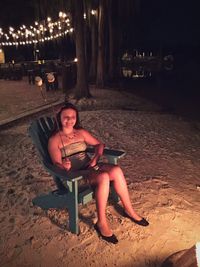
x=70 y=136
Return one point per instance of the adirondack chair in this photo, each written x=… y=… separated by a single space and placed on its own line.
x=68 y=194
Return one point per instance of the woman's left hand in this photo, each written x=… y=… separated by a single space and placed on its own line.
x=92 y=163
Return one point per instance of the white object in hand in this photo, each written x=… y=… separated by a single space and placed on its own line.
x=38 y=81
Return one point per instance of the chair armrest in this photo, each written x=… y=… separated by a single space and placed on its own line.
x=61 y=173
x=108 y=152
x=112 y=155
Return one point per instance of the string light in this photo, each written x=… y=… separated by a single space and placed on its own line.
x=40 y=32
x=94 y=12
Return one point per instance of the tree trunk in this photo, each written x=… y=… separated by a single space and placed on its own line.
x=81 y=89
x=101 y=46
x=111 y=41
x=119 y=38
x=93 y=64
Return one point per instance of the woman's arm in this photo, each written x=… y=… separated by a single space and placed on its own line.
x=99 y=146
x=55 y=154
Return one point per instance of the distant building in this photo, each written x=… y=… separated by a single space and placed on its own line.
x=2 y=56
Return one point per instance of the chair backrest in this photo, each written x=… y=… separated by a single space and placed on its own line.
x=40 y=130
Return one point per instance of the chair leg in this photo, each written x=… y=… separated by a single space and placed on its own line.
x=73 y=210
x=113 y=194
x=73 y=219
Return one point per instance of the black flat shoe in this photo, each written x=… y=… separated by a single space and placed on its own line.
x=111 y=239
x=142 y=222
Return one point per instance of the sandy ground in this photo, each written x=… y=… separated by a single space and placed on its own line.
x=162 y=168
x=19 y=97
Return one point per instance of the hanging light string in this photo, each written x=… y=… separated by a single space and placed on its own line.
x=40 y=32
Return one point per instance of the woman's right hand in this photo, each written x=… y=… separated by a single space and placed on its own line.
x=67 y=164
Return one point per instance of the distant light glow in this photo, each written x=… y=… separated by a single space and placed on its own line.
x=93 y=12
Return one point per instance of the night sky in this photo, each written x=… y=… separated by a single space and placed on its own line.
x=15 y=13
x=172 y=21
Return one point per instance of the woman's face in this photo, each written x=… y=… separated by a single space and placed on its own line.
x=68 y=118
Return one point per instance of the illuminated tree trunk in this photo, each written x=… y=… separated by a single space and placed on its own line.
x=101 y=46
x=81 y=89
x=93 y=64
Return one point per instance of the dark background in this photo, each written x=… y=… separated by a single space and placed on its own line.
x=170 y=23
x=166 y=26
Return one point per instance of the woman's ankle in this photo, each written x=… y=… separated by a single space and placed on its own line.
x=133 y=214
x=104 y=228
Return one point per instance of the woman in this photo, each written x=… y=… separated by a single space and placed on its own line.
x=67 y=150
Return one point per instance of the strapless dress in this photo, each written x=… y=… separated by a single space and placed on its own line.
x=76 y=153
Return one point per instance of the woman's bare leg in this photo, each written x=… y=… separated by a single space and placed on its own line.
x=102 y=183
x=116 y=175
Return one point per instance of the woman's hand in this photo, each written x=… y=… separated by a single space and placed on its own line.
x=67 y=164
x=92 y=163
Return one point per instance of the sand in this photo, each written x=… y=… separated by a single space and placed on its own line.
x=162 y=168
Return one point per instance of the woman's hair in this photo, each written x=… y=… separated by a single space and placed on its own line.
x=58 y=124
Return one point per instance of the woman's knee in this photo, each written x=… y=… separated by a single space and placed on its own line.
x=116 y=170
x=103 y=177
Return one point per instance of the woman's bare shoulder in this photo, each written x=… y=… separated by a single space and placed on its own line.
x=54 y=138
x=82 y=131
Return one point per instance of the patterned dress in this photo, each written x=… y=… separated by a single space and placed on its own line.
x=76 y=153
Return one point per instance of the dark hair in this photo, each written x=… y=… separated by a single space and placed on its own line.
x=58 y=124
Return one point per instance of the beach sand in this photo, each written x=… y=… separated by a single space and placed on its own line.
x=162 y=169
